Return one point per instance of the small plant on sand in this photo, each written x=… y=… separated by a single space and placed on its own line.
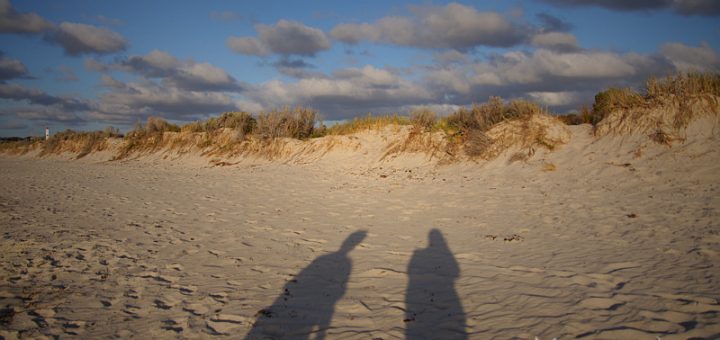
x=614 y=99
x=242 y=123
x=473 y=123
x=146 y=137
x=683 y=85
x=368 y=122
x=584 y=116
x=423 y=119
x=297 y=123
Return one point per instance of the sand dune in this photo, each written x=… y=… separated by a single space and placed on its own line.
x=366 y=236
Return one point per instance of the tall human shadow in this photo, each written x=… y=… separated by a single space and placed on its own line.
x=432 y=307
x=307 y=302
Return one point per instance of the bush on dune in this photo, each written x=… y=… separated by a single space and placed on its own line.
x=423 y=120
x=240 y=121
x=148 y=136
x=585 y=116
x=153 y=126
x=82 y=143
x=298 y=123
x=368 y=122
x=474 y=123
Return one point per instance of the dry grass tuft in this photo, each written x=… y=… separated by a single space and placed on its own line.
x=298 y=123
x=475 y=125
x=82 y=143
x=614 y=99
x=585 y=116
x=20 y=146
x=368 y=122
x=242 y=122
x=664 y=111
x=148 y=137
x=423 y=120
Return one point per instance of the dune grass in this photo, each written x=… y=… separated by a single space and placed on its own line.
x=368 y=122
x=468 y=128
x=662 y=109
x=19 y=146
x=473 y=124
x=82 y=143
x=244 y=122
x=298 y=123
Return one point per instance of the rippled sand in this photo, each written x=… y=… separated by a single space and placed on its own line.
x=595 y=245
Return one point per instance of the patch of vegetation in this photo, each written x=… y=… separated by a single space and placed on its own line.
x=585 y=116
x=368 y=122
x=82 y=143
x=472 y=124
x=662 y=109
x=423 y=120
x=297 y=123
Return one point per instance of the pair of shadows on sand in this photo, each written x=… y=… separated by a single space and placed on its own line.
x=307 y=303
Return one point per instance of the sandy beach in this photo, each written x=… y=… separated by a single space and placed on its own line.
x=380 y=170
x=589 y=240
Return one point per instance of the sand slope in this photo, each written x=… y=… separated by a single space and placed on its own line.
x=613 y=237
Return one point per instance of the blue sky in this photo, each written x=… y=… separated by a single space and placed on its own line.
x=89 y=64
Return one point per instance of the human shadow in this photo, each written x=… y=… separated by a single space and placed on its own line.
x=307 y=302
x=432 y=307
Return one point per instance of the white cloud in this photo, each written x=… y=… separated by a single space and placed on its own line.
x=285 y=38
x=529 y=68
x=556 y=41
x=77 y=39
x=140 y=99
x=350 y=91
x=450 y=57
x=561 y=98
x=188 y=75
x=453 y=26
x=247 y=45
x=11 y=68
x=13 y=22
x=687 y=58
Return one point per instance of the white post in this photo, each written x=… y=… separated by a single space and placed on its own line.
x=47 y=133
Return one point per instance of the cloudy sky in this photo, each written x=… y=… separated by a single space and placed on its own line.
x=88 y=64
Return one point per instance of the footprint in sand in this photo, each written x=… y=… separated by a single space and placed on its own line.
x=225 y=324
x=601 y=303
x=220 y=297
x=166 y=302
x=74 y=327
x=196 y=309
x=185 y=289
x=176 y=325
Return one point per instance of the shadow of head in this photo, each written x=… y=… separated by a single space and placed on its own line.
x=436 y=239
x=352 y=241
